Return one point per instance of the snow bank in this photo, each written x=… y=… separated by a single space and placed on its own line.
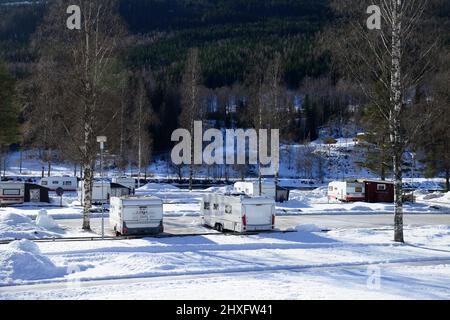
x=319 y=195
x=157 y=187
x=224 y=190
x=17 y=226
x=22 y=260
x=43 y=220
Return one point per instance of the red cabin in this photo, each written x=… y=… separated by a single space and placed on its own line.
x=379 y=191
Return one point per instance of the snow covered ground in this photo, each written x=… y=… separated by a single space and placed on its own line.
x=350 y=263
x=306 y=264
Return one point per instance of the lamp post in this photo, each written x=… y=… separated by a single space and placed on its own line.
x=102 y=140
x=413 y=167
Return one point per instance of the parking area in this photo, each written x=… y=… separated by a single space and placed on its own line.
x=193 y=225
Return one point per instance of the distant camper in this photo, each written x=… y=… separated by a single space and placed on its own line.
x=347 y=191
x=19 y=192
x=238 y=213
x=101 y=192
x=136 y=215
x=68 y=184
x=12 y=193
x=109 y=190
x=268 y=189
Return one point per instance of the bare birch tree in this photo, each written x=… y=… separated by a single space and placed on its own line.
x=190 y=102
x=81 y=59
x=395 y=58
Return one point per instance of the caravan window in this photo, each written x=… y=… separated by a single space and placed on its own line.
x=358 y=189
x=330 y=188
x=228 y=209
x=381 y=187
x=55 y=182
x=207 y=206
x=44 y=183
x=11 y=192
x=67 y=183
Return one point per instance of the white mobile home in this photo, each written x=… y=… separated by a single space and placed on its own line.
x=12 y=193
x=346 y=191
x=101 y=192
x=68 y=184
x=136 y=215
x=238 y=213
x=268 y=189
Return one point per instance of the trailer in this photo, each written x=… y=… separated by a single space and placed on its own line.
x=251 y=188
x=68 y=184
x=136 y=215
x=12 y=193
x=238 y=213
x=347 y=191
x=101 y=192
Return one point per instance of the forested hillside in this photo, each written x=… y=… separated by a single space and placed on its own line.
x=278 y=56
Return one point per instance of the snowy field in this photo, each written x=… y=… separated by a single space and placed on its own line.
x=306 y=264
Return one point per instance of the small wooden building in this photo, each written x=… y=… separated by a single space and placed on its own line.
x=36 y=193
x=379 y=191
x=119 y=190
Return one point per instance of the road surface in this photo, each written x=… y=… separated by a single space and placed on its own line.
x=193 y=225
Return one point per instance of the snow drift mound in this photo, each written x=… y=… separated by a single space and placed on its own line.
x=17 y=226
x=43 y=220
x=22 y=260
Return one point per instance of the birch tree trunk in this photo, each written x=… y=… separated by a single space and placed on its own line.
x=394 y=125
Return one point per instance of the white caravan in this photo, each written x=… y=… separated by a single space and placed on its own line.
x=126 y=181
x=68 y=184
x=268 y=189
x=347 y=191
x=136 y=215
x=238 y=213
x=12 y=193
x=101 y=192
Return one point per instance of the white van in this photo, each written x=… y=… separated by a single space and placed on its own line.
x=268 y=189
x=136 y=215
x=347 y=191
x=12 y=193
x=68 y=184
x=126 y=181
x=238 y=213
x=101 y=192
